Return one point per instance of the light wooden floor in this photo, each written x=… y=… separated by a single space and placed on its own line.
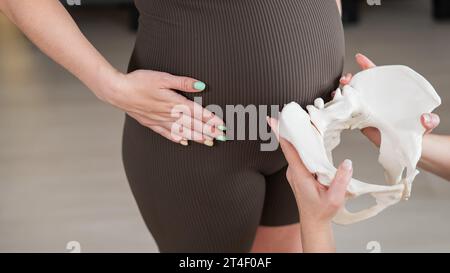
x=61 y=176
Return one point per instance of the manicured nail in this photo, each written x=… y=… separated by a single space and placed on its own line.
x=199 y=86
x=347 y=164
x=427 y=118
x=209 y=143
x=184 y=142
x=222 y=128
x=221 y=138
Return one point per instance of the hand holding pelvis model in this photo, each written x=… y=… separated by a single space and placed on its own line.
x=390 y=98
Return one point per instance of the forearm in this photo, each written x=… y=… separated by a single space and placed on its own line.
x=317 y=238
x=436 y=155
x=48 y=25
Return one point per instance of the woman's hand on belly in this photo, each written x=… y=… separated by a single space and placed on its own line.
x=150 y=98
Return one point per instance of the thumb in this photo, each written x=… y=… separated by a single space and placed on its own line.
x=184 y=84
x=338 y=187
x=429 y=122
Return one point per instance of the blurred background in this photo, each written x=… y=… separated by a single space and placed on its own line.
x=61 y=175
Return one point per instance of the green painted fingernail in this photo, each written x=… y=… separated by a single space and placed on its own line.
x=222 y=128
x=221 y=138
x=199 y=86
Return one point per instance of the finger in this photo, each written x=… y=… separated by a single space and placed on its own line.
x=211 y=124
x=200 y=127
x=364 y=62
x=345 y=79
x=294 y=160
x=188 y=134
x=181 y=83
x=303 y=185
x=430 y=121
x=338 y=188
x=195 y=110
x=273 y=123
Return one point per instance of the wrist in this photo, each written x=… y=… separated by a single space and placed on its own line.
x=108 y=85
x=314 y=224
x=317 y=236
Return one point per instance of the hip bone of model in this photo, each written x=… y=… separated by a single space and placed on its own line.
x=390 y=98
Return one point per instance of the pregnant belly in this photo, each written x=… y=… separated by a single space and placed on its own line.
x=266 y=52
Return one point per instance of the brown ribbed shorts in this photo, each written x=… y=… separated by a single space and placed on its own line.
x=248 y=52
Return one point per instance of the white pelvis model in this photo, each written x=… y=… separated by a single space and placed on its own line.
x=390 y=98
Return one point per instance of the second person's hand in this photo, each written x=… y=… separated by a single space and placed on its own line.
x=317 y=203
x=429 y=121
